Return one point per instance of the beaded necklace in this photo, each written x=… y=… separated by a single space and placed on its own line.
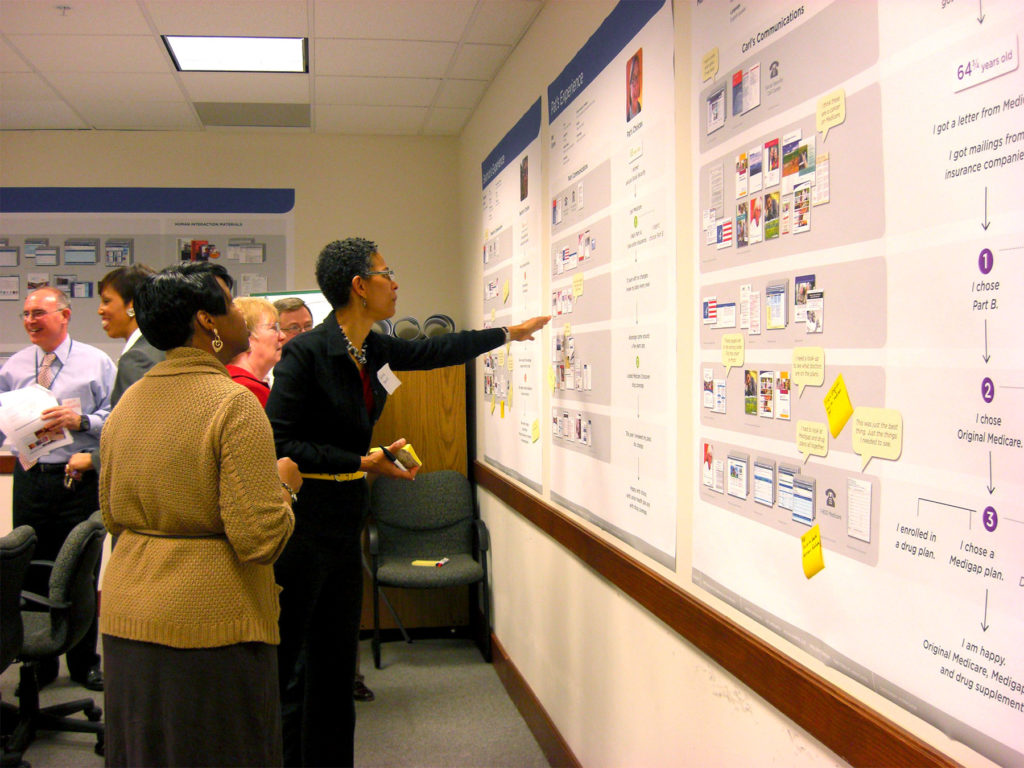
x=358 y=353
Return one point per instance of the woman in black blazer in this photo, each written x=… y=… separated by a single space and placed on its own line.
x=329 y=390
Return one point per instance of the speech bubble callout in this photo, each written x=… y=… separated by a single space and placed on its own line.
x=709 y=66
x=877 y=432
x=812 y=438
x=733 y=349
x=808 y=367
x=831 y=112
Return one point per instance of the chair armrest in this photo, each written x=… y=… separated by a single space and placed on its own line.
x=46 y=563
x=32 y=597
x=483 y=537
x=373 y=536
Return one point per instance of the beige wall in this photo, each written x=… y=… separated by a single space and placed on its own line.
x=397 y=191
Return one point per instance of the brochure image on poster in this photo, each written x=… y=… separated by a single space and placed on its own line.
x=750 y=393
x=755 y=227
x=726 y=315
x=719 y=406
x=858 y=508
x=741 y=225
x=771 y=215
x=738 y=469
x=775 y=300
x=786 y=474
x=709 y=388
x=718 y=472
x=766 y=395
x=716 y=110
x=801 y=285
x=708 y=465
x=741 y=174
x=802 y=208
x=820 y=193
x=764 y=482
x=815 y=320
x=790 y=163
x=772 y=164
x=634 y=84
x=803 y=499
x=782 y=387
x=754 y=169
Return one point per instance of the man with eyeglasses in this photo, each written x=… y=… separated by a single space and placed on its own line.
x=295 y=317
x=72 y=371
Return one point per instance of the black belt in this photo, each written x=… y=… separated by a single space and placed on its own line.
x=47 y=469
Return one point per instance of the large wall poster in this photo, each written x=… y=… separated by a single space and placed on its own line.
x=860 y=297
x=512 y=376
x=611 y=181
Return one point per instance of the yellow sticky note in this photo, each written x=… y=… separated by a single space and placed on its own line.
x=504 y=293
x=811 y=439
x=877 y=432
x=813 y=557
x=709 y=65
x=837 y=406
x=733 y=351
x=493 y=402
x=831 y=112
x=567 y=331
x=501 y=357
x=535 y=431
x=551 y=377
x=577 y=286
x=503 y=409
x=808 y=367
x=510 y=362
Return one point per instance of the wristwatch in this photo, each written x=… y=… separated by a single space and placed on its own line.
x=83 y=423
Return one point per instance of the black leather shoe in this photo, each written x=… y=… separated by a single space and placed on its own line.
x=93 y=679
x=361 y=693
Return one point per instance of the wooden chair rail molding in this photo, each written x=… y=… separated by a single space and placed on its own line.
x=839 y=721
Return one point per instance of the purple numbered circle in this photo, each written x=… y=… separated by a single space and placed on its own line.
x=990 y=519
x=985 y=261
x=988 y=390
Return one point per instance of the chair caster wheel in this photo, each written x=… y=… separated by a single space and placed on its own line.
x=100 y=748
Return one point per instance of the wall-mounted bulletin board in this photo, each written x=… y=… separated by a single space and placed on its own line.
x=70 y=237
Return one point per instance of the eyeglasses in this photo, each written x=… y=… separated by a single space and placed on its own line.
x=388 y=273
x=296 y=328
x=35 y=314
x=270 y=326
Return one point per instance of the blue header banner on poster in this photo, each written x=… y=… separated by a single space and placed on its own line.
x=512 y=145
x=621 y=26
x=145 y=200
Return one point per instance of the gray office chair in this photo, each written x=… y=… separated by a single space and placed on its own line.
x=49 y=634
x=16 y=550
x=429 y=518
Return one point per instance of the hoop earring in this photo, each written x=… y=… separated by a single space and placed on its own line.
x=217 y=344
x=131 y=312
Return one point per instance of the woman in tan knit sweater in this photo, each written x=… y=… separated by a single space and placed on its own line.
x=188 y=482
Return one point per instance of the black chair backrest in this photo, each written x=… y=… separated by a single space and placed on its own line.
x=72 y=580
x=16 y=550
x=436 y=507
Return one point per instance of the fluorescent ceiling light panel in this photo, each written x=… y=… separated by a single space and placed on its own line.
x=237 y=54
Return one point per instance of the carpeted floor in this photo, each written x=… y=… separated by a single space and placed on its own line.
x=438 y=704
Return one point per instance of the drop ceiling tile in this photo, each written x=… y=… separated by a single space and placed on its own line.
x=76 y=86
x=502 y=22
x=478 y=61
x=25 y=86
x=382 y=58
x=437 y=20
x=10 y=61
x=100 y=53
x=463 y=94
x=259 y=18
x=94 y=17
x=446 y=122
x=376 y=91
x=369 y=120
x=118 y=115
x=266 y=87
x=38 y=115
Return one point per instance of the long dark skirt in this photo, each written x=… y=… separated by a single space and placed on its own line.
x=191 y=707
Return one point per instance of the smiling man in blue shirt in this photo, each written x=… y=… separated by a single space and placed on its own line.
x=69 y=369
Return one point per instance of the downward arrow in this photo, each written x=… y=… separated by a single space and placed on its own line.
x=981 y=15
x=990 y=486
x=984 y=622
x=985 y=223
x=986 y=356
